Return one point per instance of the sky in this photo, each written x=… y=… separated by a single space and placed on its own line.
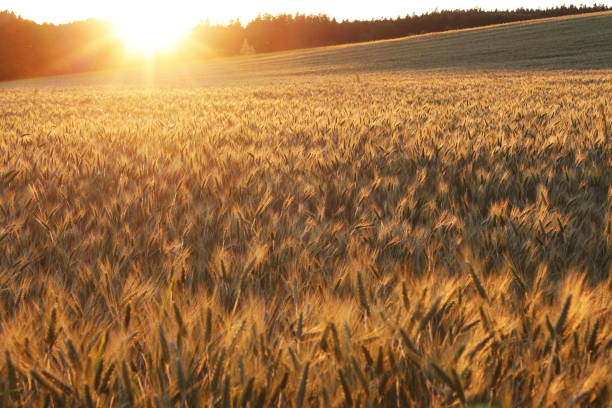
x=190 y=12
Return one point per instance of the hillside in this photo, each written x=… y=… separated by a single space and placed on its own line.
x=582 y=42
x=565 y=43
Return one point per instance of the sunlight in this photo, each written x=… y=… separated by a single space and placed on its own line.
x=152 y=34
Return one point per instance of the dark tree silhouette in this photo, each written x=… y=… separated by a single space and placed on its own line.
x=28 y=49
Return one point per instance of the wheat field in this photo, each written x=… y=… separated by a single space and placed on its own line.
x=386 y=239
x=322 y=228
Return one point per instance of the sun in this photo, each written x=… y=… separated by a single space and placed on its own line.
x=151 y=35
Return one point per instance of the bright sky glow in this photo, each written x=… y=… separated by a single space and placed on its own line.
x=191 y=11
x=151 y=29
x=151 y=25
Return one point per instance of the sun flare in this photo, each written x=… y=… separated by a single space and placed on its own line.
x=149 y=36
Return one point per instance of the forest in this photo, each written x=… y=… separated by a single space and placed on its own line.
x=29 y=49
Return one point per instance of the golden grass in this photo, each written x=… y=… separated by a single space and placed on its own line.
x=402 y=240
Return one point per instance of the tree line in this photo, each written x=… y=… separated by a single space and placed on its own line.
x=29 y=49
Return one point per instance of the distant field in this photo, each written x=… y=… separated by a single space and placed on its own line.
x=324 y=228
x=565 y=43
x=582 y=42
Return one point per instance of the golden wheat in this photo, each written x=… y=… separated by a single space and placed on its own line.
x=402 y=239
